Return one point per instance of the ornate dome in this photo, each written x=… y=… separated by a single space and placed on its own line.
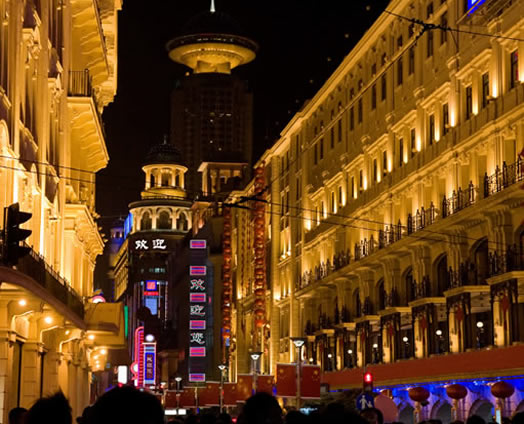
x=212 y=23
x=164 y=153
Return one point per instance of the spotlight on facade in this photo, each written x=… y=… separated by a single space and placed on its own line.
x=91 y=337
x=48 y=320
x=103 y=351
x=22 y=302
x=150 y=338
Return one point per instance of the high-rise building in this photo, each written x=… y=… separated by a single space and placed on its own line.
x=212 y=109
x=57 y=73
x=388 y=233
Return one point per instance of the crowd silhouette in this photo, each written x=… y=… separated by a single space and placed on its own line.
x=131 y=406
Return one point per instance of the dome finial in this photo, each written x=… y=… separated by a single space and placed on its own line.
x=212 y=8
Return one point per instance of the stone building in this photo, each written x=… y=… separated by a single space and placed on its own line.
x=393 y=225
x=58 y=72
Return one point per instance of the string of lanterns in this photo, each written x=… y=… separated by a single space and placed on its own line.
x=260 y=251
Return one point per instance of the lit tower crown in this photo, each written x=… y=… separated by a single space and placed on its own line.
x=212 y=42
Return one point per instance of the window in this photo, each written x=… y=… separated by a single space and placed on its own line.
x=400 y=152
x=429 y=10
x=514 y=69
x=399 y=42
x=384 y=87
x=332 y=137
x=322 y=210
x=413 y=141
x=351 y=119
x=339 y=130
x=375 y=170
x=469 y=101
x=340 y=195
x=315 y=154
x=360 y=179
x=374 y=97
x=444 y=24
x=164 y=221
x=485 y=89
x=445 y=118
x=321 y=149
x=373 y=69
x=351 y=94
x=384 y=162
x=298 y=189
x=353 y=187
x=431 y=129
x=411 y=30
x=282 y=204
x=400 y=71
x=332 y=202
x=383 y=59
x=429 y=51
x=411 y=61
x=360 y=110
x=287 y=201
x=360 y=84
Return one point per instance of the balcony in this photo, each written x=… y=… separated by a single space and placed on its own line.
x=35 y=266
x=87 y=137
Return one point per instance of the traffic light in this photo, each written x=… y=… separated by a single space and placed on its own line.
x=368 y=382
x=13 y=234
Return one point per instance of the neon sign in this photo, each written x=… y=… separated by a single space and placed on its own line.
x=472 y=5
x=149 y=364
x=197 y=270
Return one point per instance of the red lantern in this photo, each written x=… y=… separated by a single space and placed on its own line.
x=259 y=302
x=502 y=390
x=227 y=232
x=226 y=310
x=226 y=326
x=260 y=323
x=226 y=284
x=259 y=261
x=227 y=275
x=456 y=391
x=418 y=394
x=227 y=255
x=227 y=292
x=260 y=312
x=227 y=250
x=226 y=319
x=260 y=292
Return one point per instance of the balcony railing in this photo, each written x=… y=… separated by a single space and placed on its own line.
x=35 y=266
x=503 y=178
x=80 y=84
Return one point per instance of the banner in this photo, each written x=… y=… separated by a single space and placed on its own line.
x=230 y=394
x=187 y=398
x=265 y=384
x=170 y=399
x=209 y=395
x=286 y=380
x=310 y=382
x=245 y=386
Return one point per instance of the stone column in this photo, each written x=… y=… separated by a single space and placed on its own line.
x=30 y=384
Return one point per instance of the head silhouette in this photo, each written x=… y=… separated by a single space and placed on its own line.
x=261 y=408
x=54 y=409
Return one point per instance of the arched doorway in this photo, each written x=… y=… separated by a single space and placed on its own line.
x=483 y=409
x=442 y=412
x=481 y=261
x=406 y=414
x=441 y=271
x=409 y=285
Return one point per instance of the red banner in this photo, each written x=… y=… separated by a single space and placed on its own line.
x=286 y=380
x=170 y=399
x=230 y=394
x=244 y=387
x=209 y=395
x=310 y=381
x=265 y=383
x=187 y=398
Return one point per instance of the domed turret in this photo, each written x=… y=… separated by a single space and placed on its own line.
x=165 y=173
x=212 y=42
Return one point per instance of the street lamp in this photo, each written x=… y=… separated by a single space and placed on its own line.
x=350 y=353
x=255 y=356
x=299 y=342
x=480 y=330
x=439 y=340
x=178 y=380
x=222 y=369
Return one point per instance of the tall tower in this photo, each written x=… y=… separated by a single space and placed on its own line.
x=212 y=109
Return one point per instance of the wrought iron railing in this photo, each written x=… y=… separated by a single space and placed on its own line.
x=506 y=261
x=504 y=177
x=36 y=267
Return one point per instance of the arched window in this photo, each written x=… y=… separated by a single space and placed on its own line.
x=481 y=262
x=146 y=222
x=409 y=285
x=177 y=180
x=381 y=295
x=152 y=181
x=181 y=222
x=442 y=275
x=164 y=221
x=357 y=305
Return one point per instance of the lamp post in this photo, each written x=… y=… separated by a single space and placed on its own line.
x=255 y=356
x=178 y=380
x=480 y=331
x=222 y=369
x=299 y=343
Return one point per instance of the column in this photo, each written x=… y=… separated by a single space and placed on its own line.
x=30 y=384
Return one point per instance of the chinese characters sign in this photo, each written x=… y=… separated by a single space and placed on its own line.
x=149 y=364
x=153 y=244
x=198 y=310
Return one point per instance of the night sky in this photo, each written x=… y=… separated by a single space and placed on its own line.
x=301 y=43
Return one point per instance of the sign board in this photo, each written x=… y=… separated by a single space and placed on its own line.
x=365 y=401
x=149 y=364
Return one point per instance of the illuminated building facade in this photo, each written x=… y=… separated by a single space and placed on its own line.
x=394 y=224
x=58 y=72
x=211 y=109
x=153 y=229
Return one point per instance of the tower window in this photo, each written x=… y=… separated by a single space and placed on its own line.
x=514 y=69
x=485 y=89
x=469 y=101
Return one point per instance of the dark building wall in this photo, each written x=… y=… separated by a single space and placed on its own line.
x=211 y=120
